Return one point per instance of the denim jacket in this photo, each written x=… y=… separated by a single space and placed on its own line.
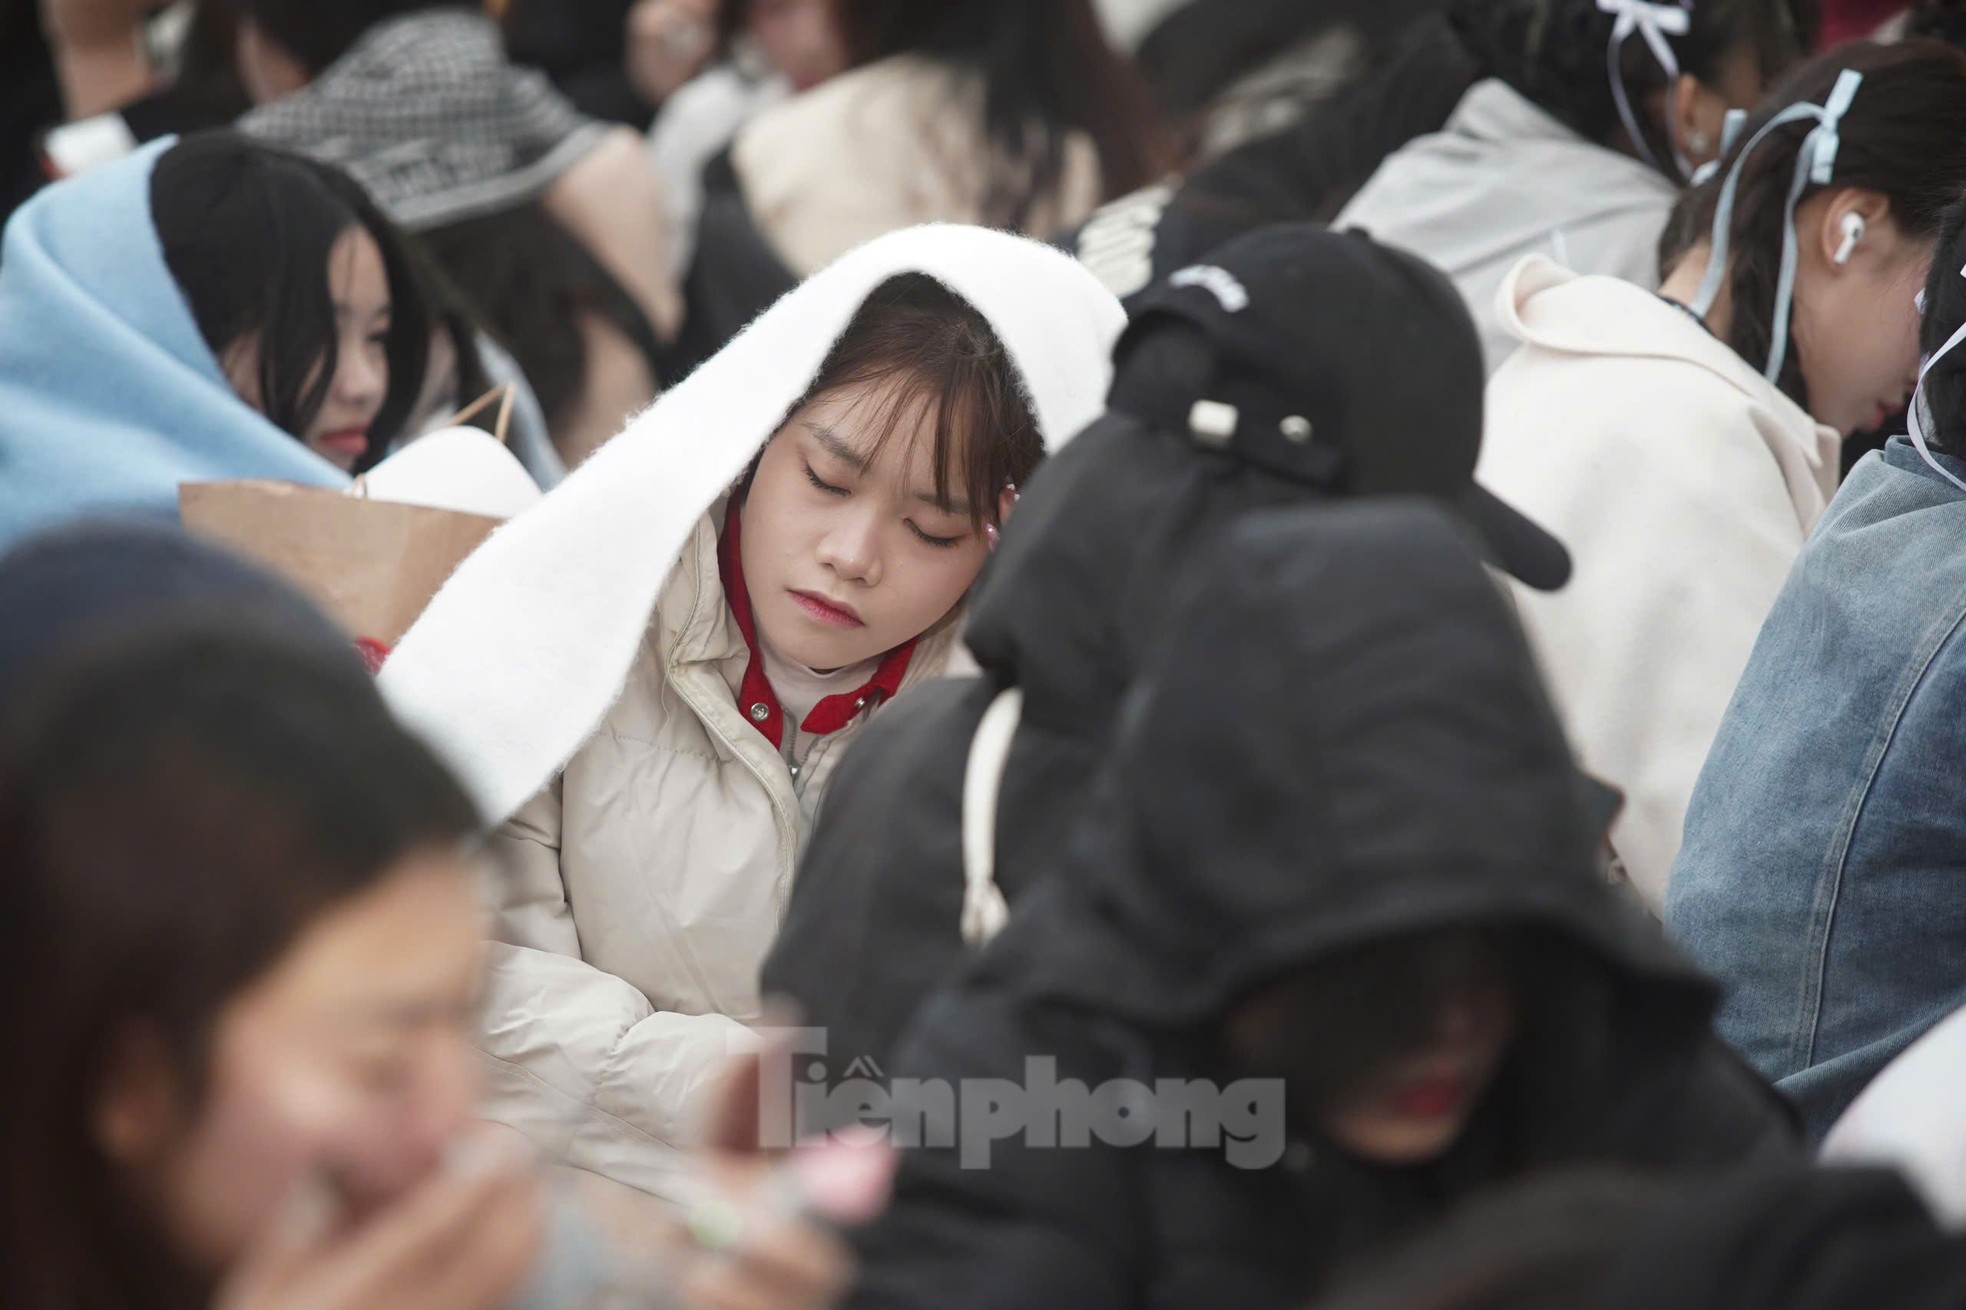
x=1824 y=861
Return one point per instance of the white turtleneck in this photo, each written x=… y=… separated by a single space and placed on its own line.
x=799 y=689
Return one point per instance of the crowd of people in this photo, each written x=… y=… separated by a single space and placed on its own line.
x=1106 y=654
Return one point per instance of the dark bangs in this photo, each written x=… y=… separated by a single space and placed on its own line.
x=929 y=353
x=248 y=232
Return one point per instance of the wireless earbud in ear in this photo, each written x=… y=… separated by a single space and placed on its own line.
x=1853 y=232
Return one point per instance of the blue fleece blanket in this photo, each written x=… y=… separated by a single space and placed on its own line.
x=109 y=397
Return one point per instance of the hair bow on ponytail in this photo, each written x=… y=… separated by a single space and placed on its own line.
x=1654 y=22
x=1815 y=163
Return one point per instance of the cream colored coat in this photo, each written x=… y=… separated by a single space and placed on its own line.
x=1684 y=485
x=581 y=670
x=885 y=146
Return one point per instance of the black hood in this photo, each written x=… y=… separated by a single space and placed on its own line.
x=1078 y=588
x=1066 y=609
x=1342 y=738
x=1077 y=594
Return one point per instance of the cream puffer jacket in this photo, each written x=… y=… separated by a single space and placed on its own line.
x=580 y=673
x=643 y=888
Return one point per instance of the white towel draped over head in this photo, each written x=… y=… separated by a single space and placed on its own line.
x=525 y=650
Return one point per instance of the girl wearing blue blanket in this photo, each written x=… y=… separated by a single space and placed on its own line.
x=199 y=311
x=301 y=288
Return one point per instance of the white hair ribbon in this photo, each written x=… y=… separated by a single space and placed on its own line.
x=1732 y=124
x=1815 y=163
x=1654 y=22
x=1730 y=132
x=1914 y=417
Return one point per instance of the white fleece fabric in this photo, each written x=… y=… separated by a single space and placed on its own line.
x=523 y=651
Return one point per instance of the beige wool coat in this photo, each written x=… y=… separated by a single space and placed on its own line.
x=1684 y=484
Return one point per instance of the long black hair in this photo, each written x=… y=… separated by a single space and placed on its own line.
x=1048 y=71
x=176 y=808
x=1904 y=137
x=1551 y=52
x=933 y=352
x=247 y=232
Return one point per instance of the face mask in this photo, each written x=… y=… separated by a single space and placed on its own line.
x=1815 y=164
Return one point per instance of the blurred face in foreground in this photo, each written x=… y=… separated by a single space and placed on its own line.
x=347 y=1067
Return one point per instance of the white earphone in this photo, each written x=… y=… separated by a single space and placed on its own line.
x=1853 y=232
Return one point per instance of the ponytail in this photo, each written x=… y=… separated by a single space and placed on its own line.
x=1568 y=58
x=1902 y=136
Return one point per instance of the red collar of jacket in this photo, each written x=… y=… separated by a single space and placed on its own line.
x=755 y=697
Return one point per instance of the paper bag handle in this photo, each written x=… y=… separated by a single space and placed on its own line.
x=505 y=393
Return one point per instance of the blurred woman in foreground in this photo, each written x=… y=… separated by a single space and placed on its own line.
x=247 y=918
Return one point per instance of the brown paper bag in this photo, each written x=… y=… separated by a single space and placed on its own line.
x=372 y=564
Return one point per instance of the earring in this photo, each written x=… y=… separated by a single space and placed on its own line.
x=991 y=532
x=1698 y=142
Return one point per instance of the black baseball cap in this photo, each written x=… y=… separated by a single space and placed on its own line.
x=1340 y=363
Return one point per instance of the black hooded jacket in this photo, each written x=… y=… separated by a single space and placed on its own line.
x=1825 y=1239
x=1076 y=594
x=1342 y=740
x=872 y=925
x=1792 y=1237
